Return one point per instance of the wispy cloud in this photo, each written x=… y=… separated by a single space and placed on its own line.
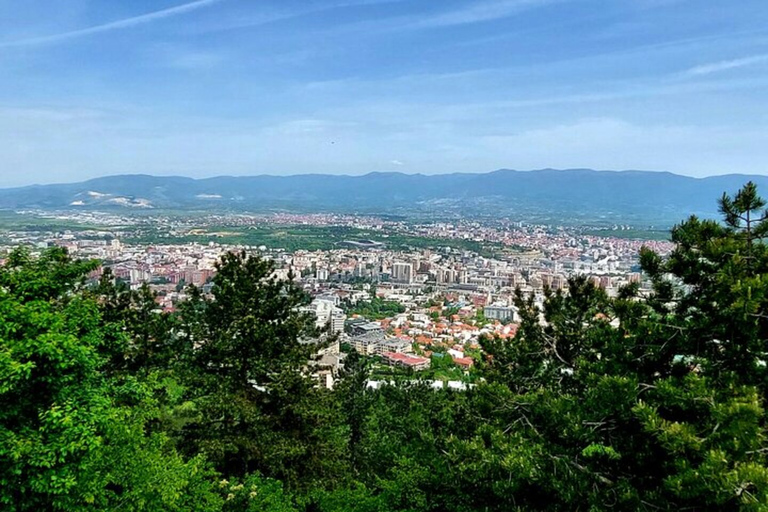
x=394 y=116
x=269 y=16
x=113 y=25
x=484 y=11
x=50 y=114
x=627 y=90
x=725 y=65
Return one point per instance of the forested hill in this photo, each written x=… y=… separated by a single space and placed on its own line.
x=576 y=191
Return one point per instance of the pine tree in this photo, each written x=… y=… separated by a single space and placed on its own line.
x=73 y=436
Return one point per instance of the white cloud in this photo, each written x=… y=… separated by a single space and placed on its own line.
x=396 y=162
x=267 y=16
x=724 y=65
x=477 y=12
x=114 y=25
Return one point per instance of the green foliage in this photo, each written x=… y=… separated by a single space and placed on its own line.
x=253 y=329
x=480 y=318
x=152 y=340
x=376 y=308
x=255 y=494
x=310 y=238
x=449 y=312
x=71 y=436
x=442 y=368
x=652 y=401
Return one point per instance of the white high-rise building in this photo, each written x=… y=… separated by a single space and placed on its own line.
x=402 y=273
x=337 y=321
x=327 y=314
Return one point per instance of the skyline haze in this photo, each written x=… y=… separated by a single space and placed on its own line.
x=228 y=87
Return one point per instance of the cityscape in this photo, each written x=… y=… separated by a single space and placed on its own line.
x=383 y=256
x=406 y=305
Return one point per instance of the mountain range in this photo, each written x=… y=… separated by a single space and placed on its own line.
x=577 y=193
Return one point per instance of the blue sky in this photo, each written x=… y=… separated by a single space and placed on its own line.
x=239 y=87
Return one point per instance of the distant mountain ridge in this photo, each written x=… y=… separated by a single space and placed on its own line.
x=578 y=191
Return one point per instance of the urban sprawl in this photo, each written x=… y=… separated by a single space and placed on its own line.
x=415 y=309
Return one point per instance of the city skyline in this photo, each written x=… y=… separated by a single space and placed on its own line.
x=227 y=87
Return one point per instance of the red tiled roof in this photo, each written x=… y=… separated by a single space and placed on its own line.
x=404 y=358
x=466 y=362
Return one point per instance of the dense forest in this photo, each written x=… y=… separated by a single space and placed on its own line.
x=649 y=400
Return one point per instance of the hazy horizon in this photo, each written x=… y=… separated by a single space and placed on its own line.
x=214 y=176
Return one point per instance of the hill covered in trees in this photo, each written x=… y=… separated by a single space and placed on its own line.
x=636 y=402
x=580 y=194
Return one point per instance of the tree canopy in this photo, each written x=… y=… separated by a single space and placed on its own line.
x=649 y=399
